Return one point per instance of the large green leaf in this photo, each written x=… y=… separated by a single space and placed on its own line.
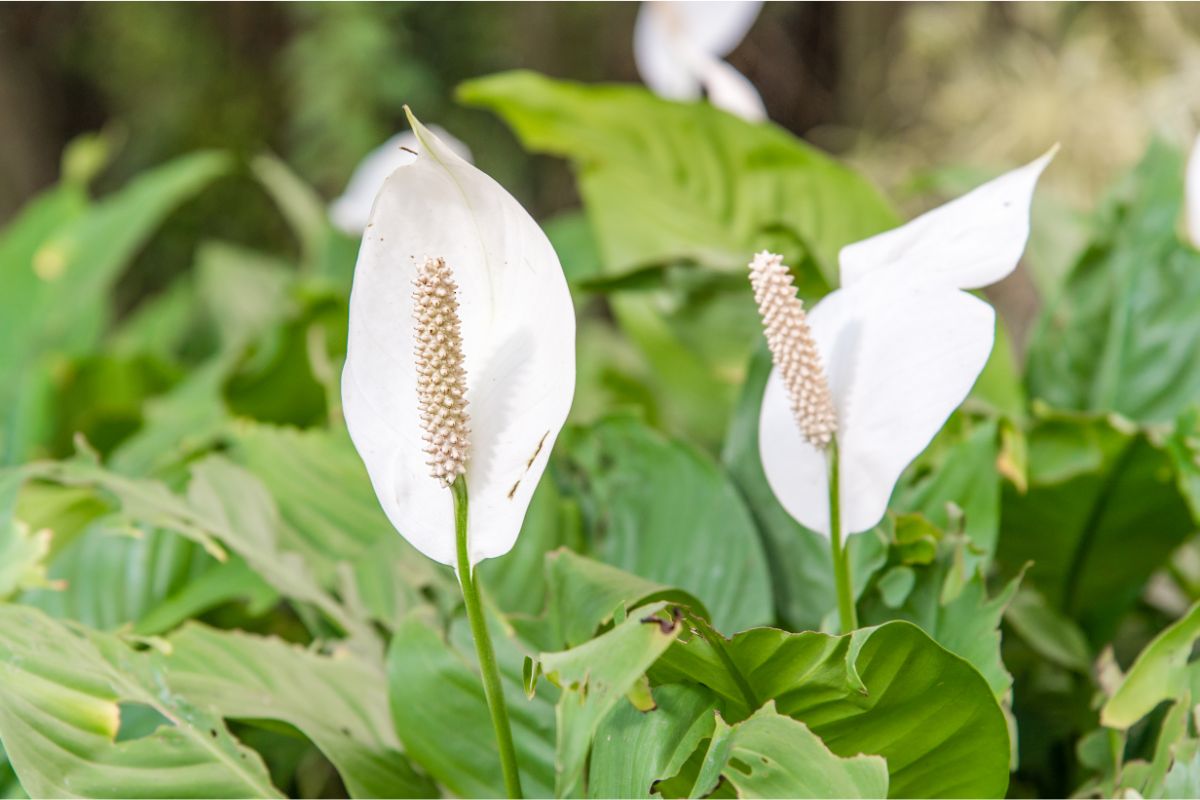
x=889 y=691
x=225 y=505
x=517 y=580
x=665 y=512
x=441 y=716
x=1102 y=512
x=339 y=701
x=635 y=748
x=114 y=574
x=665 y=181
x=772 y=755
x=594 y=678
x=65 y=699
x=956 y=612
x=1123 y=333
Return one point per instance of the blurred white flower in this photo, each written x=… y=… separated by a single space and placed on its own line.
x=440 y=221
x=679 y=46
x=1192 y=194
x=901 y=343
x=350 y=211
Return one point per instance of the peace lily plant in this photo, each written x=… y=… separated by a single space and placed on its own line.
x=863 y=382
x=460 y=370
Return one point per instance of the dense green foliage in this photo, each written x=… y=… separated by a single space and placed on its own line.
x=201 y=596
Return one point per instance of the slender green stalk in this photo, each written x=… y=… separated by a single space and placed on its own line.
x=841 y=562
x=483 y=645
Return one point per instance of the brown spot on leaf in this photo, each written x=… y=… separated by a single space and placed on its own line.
x=513 y=490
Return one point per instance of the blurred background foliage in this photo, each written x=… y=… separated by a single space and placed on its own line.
x=179 y=298
x=926 y=98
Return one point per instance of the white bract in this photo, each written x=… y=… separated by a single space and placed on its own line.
x=350 y=211
x=679 y=47
x=1192 y=194
x=902 y=344
x=518 y=348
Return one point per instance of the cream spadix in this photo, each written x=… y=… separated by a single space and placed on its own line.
x=901 y=344
x=441 y=225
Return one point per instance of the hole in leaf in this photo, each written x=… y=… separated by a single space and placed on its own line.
x=138 y=720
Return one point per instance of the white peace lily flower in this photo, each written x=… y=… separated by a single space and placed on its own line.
x=901 y=344
x=1192 y=194
x=418 y=363
x=679 y=46
x=351 y=210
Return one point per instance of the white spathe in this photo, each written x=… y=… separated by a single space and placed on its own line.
x=902 y=344
x=1192 y=194
x=679 y=46
x=518 y=338
x=351 y=210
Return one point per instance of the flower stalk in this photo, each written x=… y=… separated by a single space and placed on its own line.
x=492 y=688
x=794 y=351
x=847 y=614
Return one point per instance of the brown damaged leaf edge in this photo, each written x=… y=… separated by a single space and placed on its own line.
x=665 y=625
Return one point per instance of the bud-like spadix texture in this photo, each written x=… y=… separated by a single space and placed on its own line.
x=441 y=379
x=793 y=349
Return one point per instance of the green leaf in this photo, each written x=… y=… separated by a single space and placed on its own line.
x=24 y=421
x=1049 y=633
x=633 y=749
x=64 y=698
x=441 y=716
x=114 y=574
x=1102 y=512
x=1159 y=673
x=1183 y=446
x=225 y=503
x=665 y=181
x=964 y=621
x=1183 y=779
x=966 y=476
x=586 y=594
x=665 y=512
x=22 y=557
x=339 y=701
x=889 y=690
x=244 y=292
x=1123 y=333
x=64 y=258
x=595 y=676
x=771 y=755
x=517 y=580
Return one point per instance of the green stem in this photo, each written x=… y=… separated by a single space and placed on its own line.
x=483 y=645
x=841 y=563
